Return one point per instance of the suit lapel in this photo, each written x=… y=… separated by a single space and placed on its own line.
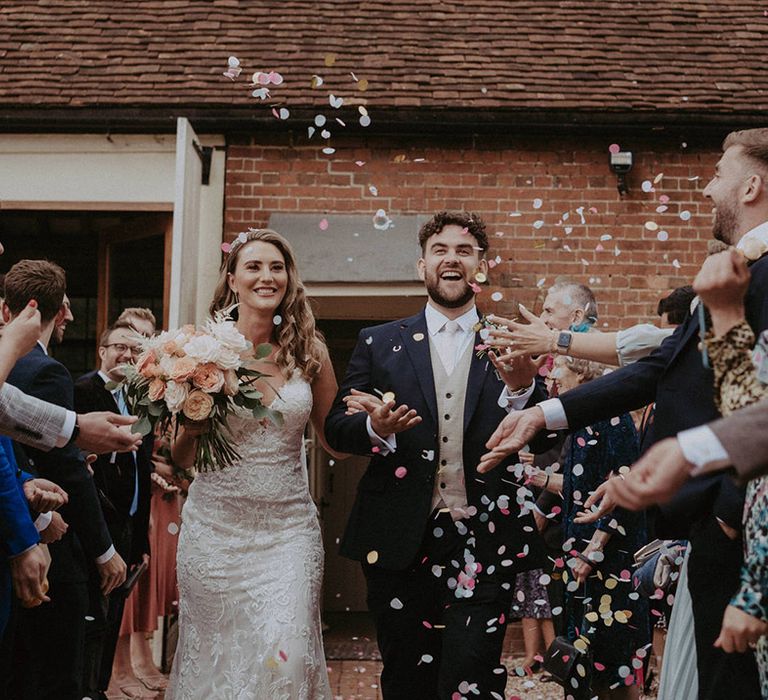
x=107 y=397
x=691 y=329
x=478 y=371
x=415 y=339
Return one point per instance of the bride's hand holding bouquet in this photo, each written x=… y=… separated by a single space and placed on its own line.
x=194 y=379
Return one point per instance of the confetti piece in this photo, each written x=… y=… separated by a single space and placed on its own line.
x=330 y=151
x=426 y=659
x=538 y=224
x=381 y=222
x=662 y=235
x=277 y=320
x=614 y=148
x=335 y=102
x=685 y=215
x=330 y=59
x=400 y=472
x=373 y=190
x=658 y=178
x=317 y=81
x=173 y=529
x=226 y=247
x=396 y=604
x=320 y=120
x=418 y=336
x=651 y=226
x=283 y=656
x=323 y=225
x=537 y=203
x=389 y=395
x=676 y=264
x=497 y=296
x=481 y=277
x=372 y=557
x=362 y=84
x=647 y=186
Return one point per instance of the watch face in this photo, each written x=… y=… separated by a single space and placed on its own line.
x=564 y=340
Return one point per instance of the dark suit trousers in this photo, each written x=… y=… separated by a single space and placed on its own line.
x=107 y=613
x=713 y=577
x=432 y=642
x=47 y=646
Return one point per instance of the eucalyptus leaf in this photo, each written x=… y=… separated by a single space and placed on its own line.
x=143 y=426
x=261 y=351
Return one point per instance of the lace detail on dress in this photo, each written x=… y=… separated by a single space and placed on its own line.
x=250 y=565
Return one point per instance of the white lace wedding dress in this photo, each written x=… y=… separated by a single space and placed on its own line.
x=250 y=567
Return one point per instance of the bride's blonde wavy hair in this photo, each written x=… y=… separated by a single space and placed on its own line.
x=299 y=343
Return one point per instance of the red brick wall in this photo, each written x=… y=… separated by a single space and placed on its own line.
x=496 y=177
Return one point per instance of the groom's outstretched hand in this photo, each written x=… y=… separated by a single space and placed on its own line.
x=515 y=431
x=385 y=418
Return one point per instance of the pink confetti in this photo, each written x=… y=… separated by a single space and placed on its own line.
x=226 y=247
x=400 y=472
x=476 y=288
x=426 y=624
x=375 y=450
x=664 y=199
x=599 y=666
x=283 y=655
x=323 y=225
x=614 y=148
x=581 y=442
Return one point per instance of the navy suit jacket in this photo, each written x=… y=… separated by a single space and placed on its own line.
x=87 y=538
x=391 y=514
x=675 y=378
x=115 y=479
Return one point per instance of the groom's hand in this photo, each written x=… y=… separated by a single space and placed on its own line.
x=515 y=431
x=387 y=420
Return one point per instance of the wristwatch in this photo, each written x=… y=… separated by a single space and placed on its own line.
x=564 y=339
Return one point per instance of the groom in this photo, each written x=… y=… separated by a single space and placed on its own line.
x=439 y=546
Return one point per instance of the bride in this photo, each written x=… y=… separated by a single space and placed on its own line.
x=250 y=555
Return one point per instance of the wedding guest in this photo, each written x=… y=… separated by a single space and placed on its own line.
x=123 y=484
x=620 y=626
x=707 y=510
x=43 y=425
x=539 y=335
x=439 y=561
x=156 y=593
x=48 y=640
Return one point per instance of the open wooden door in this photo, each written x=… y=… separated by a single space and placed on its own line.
x=185 y=239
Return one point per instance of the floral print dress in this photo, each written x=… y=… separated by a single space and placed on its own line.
x=737 y=385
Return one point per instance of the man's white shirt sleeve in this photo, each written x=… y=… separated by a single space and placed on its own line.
x=67 y=429
x=385 y=445
x=515 y=400
x=702 y=449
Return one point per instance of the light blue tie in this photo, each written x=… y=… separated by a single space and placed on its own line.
x=120 y=400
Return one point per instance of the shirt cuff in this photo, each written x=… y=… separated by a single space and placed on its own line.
x=67 y=429
x=43 y=521
x=703 y=450
x=385 y=445
x=554 y=414
x=515 y=400
x=104 y=558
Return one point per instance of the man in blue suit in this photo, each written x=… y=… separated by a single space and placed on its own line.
x=439 y=546
x=708 y=510
x=48 y=640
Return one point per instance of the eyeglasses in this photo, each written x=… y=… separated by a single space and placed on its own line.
x=122 y=348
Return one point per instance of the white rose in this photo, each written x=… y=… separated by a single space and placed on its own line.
x=232 y=339
x=204 y=348
x=175 y=396
x=166 y=364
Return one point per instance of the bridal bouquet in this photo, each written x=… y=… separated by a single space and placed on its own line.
x=197 y=374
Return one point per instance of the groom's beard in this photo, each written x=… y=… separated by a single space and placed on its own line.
x=725 y=225
x=449 y=300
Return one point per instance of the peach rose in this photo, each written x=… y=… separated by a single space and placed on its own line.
x=147 y=364
x=231 y=383
x=156 y=390
x=198 y=405
x=183 y=369
x=209 y=378
x=170 y=347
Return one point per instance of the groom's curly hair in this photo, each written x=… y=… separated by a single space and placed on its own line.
x=465 y=219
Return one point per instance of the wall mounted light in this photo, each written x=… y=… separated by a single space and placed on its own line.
x=621 y=164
